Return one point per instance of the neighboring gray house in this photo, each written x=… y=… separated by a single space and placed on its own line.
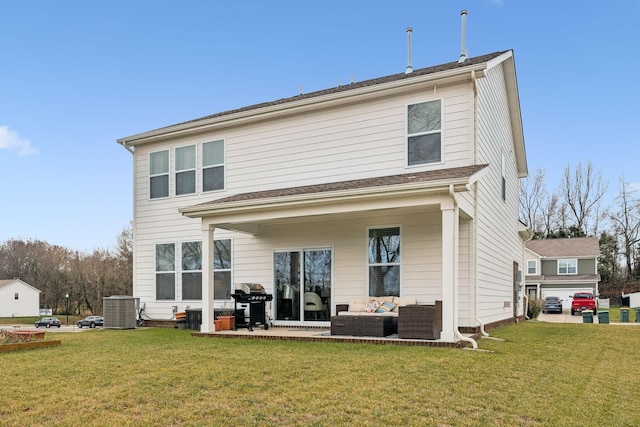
x=405 y=185
x=18 y=299
x=562 y=267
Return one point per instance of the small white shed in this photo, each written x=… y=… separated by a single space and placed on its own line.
x=18 y=299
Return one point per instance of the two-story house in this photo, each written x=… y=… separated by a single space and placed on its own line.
x=403 y=185
x=562 y=267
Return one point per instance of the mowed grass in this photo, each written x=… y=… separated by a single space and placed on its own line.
x=542 y=374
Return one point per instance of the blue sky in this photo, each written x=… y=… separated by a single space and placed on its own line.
x=77 y=75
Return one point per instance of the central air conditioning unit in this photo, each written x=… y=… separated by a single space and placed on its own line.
x=120 y=311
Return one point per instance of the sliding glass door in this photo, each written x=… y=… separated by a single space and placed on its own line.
x=303 y=284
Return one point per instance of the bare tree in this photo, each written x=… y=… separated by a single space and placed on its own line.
x=582 y=190
x=626 y=223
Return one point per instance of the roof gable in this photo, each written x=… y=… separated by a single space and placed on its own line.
x=581 y=247
x=7 y=282
x=435 y=73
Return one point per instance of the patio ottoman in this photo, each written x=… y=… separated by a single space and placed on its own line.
x=362 y=325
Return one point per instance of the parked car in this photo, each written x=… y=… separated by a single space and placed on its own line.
x=91 y=321
x=583 y=301
x=552 y=304
x=48 y=322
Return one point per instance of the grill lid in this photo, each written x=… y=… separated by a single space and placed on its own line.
x=251 y=288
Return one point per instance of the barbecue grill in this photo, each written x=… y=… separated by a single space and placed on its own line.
x=253 y=296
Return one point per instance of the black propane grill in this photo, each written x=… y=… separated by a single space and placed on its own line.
x=254 y=296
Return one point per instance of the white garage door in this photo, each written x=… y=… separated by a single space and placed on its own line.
x=564 y=294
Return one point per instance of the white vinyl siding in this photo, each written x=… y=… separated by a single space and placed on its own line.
x=498 y=241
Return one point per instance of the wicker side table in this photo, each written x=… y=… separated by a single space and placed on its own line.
x=420 y=321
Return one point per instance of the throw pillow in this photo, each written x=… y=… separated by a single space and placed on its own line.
x=372 y=307
x=386 y=307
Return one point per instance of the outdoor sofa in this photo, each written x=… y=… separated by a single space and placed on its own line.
x=387 y=315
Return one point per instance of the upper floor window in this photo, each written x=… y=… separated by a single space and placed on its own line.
x=532 y=266
x=186 y=170
x=159 y=174
x=424 y=133
x=16 y=296
x=567 y=266
x=213 y=165
x=384 y=261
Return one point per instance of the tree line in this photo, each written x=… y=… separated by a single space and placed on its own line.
x=57 y=272
x=578 y=208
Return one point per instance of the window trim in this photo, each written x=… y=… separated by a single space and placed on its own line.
x=182 y=271
x=504 y=177
x=193 y=169
x=535 y=267
x=217 y=165
x=398 y=263
x=167 y=174
x=408 y=135
x=156 y=271
x=567 y=262
x=230 y=269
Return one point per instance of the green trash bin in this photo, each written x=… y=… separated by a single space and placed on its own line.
x=637 y=314
x=587 y=316
x=624 y=315
x=603 y=317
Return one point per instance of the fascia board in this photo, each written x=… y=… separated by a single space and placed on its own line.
x=323 y=101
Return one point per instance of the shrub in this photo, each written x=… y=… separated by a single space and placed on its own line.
x=534 y=308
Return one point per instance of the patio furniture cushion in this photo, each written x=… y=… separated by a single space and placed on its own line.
x=386 y=307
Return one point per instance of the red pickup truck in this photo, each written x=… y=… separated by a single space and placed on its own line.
x=583 y=301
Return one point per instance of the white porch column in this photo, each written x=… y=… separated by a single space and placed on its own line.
x=207 y=279
x=449 y=271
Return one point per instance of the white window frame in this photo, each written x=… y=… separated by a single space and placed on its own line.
x=535 y=266
x=182 y=270
x=223 y=270
x=398 y=263
x=174 y=271
x=431 y=132
x=222 y=165
x=164 y=173
x=184 y=170
x=565 y=264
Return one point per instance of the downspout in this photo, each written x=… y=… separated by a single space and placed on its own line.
x=456 y=238
x=475 y=205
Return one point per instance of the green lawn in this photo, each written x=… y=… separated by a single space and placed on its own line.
x=541 y=374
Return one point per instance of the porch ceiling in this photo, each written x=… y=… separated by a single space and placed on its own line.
x=245 y=212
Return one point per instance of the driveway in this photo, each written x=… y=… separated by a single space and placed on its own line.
x=566 y=317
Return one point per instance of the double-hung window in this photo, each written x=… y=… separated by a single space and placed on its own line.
x=424 y=133
x=532 y=267
x=186 y=170
x=213 y=165
x=567 y=266
x=191 y=270
x=159 y=174
x=166 y=271
x=222 y=268
x=384 y=261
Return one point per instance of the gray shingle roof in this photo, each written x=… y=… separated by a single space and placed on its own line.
x=424 y=177
x=573 y=247
x=372 y=82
